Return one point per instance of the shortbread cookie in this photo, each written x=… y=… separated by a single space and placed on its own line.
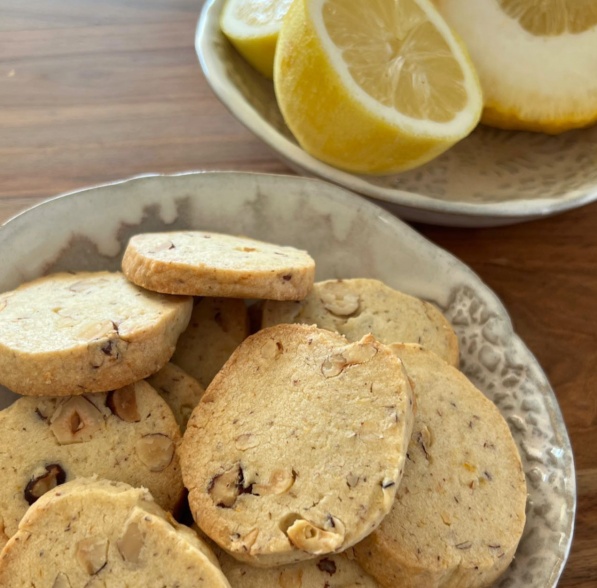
x=70 y=334
x=181 y=391
x=460 y=509
x=93 y=532
x=298 y=445
x=128 y=435
x=329 y=571
x=359 y=306
x=213 y=264
x=217 y=327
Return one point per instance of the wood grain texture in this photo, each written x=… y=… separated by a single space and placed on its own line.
x=92 y=92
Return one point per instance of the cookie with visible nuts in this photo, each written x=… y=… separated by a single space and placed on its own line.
x=298 y=445
x=92 y=532
x=329 y=571
x=181 y=391
x=67 y=334
x=214 y=264
x=217 y=327
x=129 y=434
x=460 y=509
x=359 y=306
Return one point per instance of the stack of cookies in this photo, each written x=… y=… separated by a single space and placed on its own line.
x=320 y=434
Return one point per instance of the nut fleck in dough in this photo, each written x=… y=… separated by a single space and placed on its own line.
x=217 y=327
x=181 y=391
x=129 y=435
x=359 y=306
x=92 y=532
x=70 y=334
x=298 y=445
x=328 y=571
x=213 y=264
x=460 y=509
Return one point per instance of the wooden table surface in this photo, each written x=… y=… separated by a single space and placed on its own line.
x=98 y=91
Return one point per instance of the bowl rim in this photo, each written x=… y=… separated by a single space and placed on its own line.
x=342 y=194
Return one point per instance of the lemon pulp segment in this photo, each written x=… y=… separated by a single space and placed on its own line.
x=397 y=56
x=552 y=17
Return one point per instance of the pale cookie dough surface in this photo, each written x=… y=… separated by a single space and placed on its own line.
x=213 y=264
x=329 y=571
x=460 y=509
x=128 y=435
x=181 y=391
x=359 y=306
x=298 y=445
x=85 y=332
x=217 y=327
x=99 y=533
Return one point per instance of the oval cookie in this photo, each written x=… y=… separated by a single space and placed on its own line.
x=329 y=571
x=213 y=264
x=298 y=445
x=217 y=327
x=70 y=334
x=67 y=540
x=128 y=435
x=359 y=306
x=460 y=509
x=180 y=390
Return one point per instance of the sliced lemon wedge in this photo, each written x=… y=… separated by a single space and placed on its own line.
x=252 y=26
x=374 y=87
x=536 y=59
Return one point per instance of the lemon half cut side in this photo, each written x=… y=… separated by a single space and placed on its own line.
x=252 y=26
x=536 y=59
x=374 y=87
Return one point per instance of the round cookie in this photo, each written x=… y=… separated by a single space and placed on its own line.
x=181 y=391
x=67 y=334
x=128 y=435
x=298 y=445
x=460 y=509
x=213 y=264
x=217 y=327
x=92 y=532
x=359 y=306
x=329 y=571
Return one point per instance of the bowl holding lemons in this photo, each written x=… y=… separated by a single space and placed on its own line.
x=446 y=116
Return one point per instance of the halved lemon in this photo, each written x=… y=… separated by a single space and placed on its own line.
x=536 y=59
x=252 y=26
x=376 y=86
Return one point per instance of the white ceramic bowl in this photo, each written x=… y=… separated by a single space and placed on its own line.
x=490 y=178
x=348 y=237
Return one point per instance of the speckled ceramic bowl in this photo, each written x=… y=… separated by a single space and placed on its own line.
x=348 y=237
x=490 y=178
